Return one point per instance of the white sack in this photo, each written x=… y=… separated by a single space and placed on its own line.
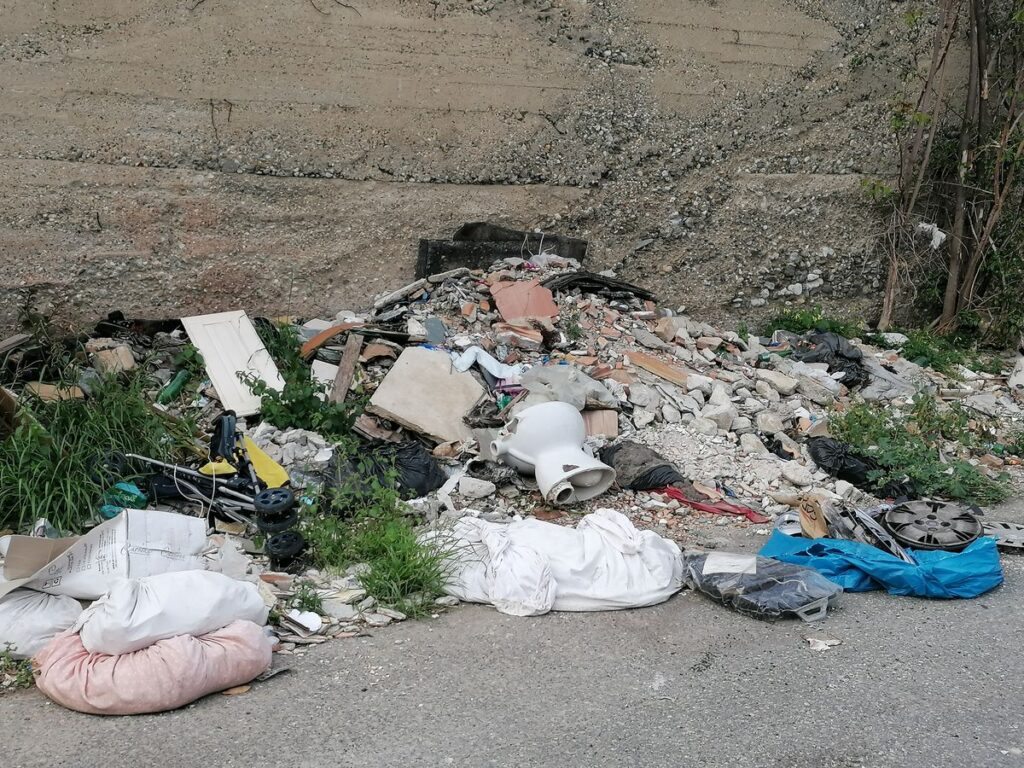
x=138 y=542
x=467 y=565
x=604 y=563
x=138 y=612
x=519 y=581
x=29 y=620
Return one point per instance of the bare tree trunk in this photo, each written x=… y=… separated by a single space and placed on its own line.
x=957 y=246
x=915 y=153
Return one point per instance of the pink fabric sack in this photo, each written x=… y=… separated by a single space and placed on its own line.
x=168 y=674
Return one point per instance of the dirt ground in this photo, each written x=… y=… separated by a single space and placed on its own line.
x=169 y=158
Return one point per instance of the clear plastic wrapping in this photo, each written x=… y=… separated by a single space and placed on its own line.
x=760 y=586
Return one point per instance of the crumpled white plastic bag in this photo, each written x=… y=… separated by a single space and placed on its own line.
x=29 y=620
x=528 y=567
x=136 y=613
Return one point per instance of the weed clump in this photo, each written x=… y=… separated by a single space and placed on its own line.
x=363 y=522
x=15 y=674
x=54 y=466
x=804 y=320
x=302 y=403
x=909 y=447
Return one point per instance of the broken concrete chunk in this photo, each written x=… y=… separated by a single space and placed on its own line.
x=642 y=418
x=753 y=405
x=709 y=342
x=769 y=422
x=741 y=424
x=667 y=328
x=814 y=391
x=719 y=396
x=797 y=473
x=339 y=609
x=671 y=414
x=422 y=392
x=704 y=426
x=767 y=391
x=401 y=293
x=115 y=360
x=751 y=444
x=566 y=384
x=644 y=396
x=473 y=488
x=647 y=339
x=780 y=382
x=703 y=384
x=721 y=415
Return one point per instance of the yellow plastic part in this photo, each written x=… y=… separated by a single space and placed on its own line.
x=217 y=469
x=267 y=470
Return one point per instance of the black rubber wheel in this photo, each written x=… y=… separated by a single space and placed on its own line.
x=284 y=548
x=929 y=524
x=273 y=501
x=276 y=525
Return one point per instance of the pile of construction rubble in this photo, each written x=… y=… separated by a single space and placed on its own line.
x=536 y=412
x=732 y=414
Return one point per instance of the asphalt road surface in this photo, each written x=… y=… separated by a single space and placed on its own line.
x=914 y=683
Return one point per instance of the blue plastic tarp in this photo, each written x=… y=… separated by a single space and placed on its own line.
x=858 y=567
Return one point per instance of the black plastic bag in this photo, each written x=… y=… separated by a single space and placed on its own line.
x=760 y=586
x=840 y=461
x=836 y=352
x=409 y=466
x=640 y=468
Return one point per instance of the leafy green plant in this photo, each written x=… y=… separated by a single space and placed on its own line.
x=1016 y=445
x=571 y=324
x=906 y=448
x=54 y=468
x=302 y=402
x=190 y=359
x=933 y=422
x=15 y=674
x=877 y=191
x=945 y=353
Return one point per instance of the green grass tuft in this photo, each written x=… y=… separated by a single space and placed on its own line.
x=55 y=469
x=803 y=320
x=366 y=524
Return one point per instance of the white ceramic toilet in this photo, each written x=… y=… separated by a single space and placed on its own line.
x=546 y=440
